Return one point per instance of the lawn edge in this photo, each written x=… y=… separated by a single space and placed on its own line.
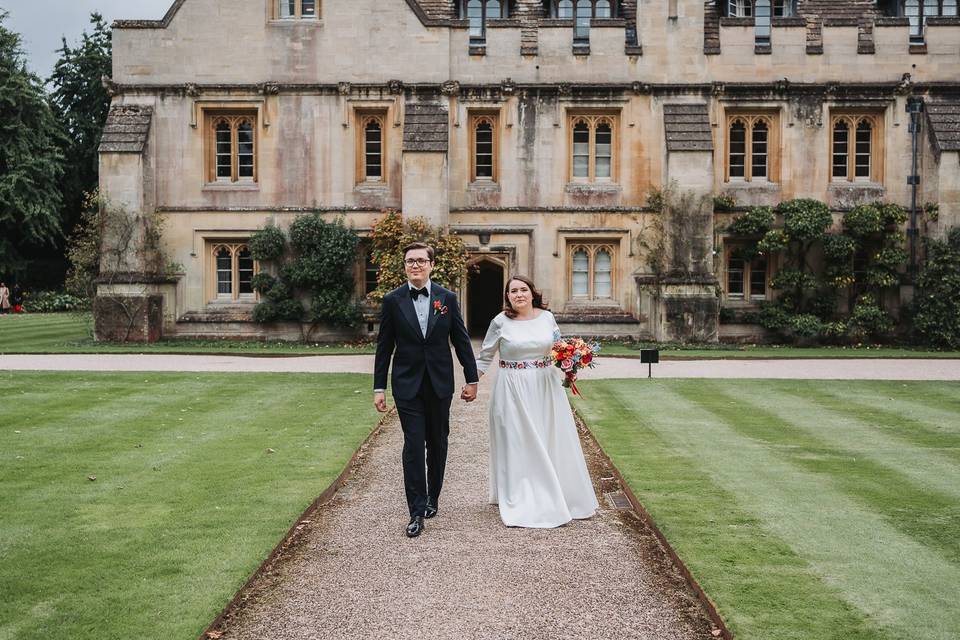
x=290 y=538
x=648 y=520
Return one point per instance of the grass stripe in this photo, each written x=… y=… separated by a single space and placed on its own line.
x=166 y=534
x=911 y=428
x=899 y=583
x=930 y=517
x=929 y=469
x=761 y=586
x=935 y=403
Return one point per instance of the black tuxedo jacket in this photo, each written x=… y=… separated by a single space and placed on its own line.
x=415 y=355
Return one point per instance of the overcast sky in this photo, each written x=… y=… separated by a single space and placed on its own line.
x=42 y=23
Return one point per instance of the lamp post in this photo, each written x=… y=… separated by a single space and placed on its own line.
x=914 y=108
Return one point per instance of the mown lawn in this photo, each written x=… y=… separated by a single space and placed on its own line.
x=752 y=351
x=807 y=510
x=72 y=333
x=197 y=477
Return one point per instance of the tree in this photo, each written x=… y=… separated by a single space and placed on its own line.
x=31 y=161
x=936 y=319
x=81 y=103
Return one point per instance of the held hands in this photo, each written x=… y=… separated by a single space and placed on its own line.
x=469 y=393
x=380 y=401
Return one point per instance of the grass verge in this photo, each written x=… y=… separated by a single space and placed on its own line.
x=802 y=517
x=197 y=477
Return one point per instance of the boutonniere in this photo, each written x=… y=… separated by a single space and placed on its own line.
x=439 y=308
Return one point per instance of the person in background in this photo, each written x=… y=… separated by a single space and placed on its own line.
x=4 y=298
x=16 y=297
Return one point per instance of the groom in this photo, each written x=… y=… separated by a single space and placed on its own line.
x=418 y=322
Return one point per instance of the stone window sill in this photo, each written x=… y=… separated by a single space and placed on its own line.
x=764 y=185
x=293 y=22
x=484 y=186
x=599 y=188
x=372 y=187
x=231 y=186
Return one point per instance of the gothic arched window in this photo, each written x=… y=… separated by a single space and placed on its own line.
x=232 y=155
x=855 y=149
x=592 y=271
x=751 y=147
x=592 y=150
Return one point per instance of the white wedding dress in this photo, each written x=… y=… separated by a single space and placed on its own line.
x=538 y=476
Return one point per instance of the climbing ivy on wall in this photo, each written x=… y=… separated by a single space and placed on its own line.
x=391 y=233
x=313 y=263
x=862 y=260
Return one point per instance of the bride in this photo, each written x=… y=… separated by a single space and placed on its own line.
x=538 y=475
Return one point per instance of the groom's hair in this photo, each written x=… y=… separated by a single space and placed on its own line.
x=418 y=245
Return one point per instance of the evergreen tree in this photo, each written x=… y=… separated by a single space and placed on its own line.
x=31 y=163
x=81 y=103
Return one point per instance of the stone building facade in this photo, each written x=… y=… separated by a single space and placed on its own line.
x=535 y=129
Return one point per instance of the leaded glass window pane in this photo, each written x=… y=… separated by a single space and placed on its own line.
x=782 y=8
x=245 y=271
x=371 y=273
x=581 y=30
x=735 y=283
x=565 y=9
x=373 y=151
x=950 y=8
x=911 y=10
x=475 y=17
x=740 y=8
x=288 y=8
x=602 y=267
x=761 y=27
x=738 y=149
x=581 y=273
x=758 y=279
x=224 y=273
x=494 y=9
x=224 y=150
x=581 y=150
x=245 y=150
x=603 y=9
x=758 y=151
x=309 y=9
x=841 y=136
x=863 y=144
x=604 y=140
x=484 y=149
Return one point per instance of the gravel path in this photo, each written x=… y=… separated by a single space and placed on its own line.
x=608 y=367
x=353 y=574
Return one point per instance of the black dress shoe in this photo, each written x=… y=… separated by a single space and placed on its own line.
x=431 y=509
x=415 y=527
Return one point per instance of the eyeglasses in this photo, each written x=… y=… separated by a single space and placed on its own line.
x=420 y=262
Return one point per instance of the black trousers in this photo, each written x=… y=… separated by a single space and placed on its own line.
x=425 y=420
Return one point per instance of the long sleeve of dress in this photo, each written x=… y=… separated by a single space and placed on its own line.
x=490 y=345
x=556 y=329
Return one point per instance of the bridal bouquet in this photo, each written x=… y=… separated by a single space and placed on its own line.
x=572 y=354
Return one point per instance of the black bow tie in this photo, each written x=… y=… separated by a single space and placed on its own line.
x=419 y=292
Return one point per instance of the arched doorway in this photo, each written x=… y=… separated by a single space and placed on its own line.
x=484 y=295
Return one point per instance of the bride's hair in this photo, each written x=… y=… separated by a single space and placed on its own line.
x=538 y=302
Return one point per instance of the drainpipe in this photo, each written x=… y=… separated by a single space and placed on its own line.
x=914 y=108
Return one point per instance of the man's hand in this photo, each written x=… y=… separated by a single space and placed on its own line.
x=380 y=401
x=469 y=393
